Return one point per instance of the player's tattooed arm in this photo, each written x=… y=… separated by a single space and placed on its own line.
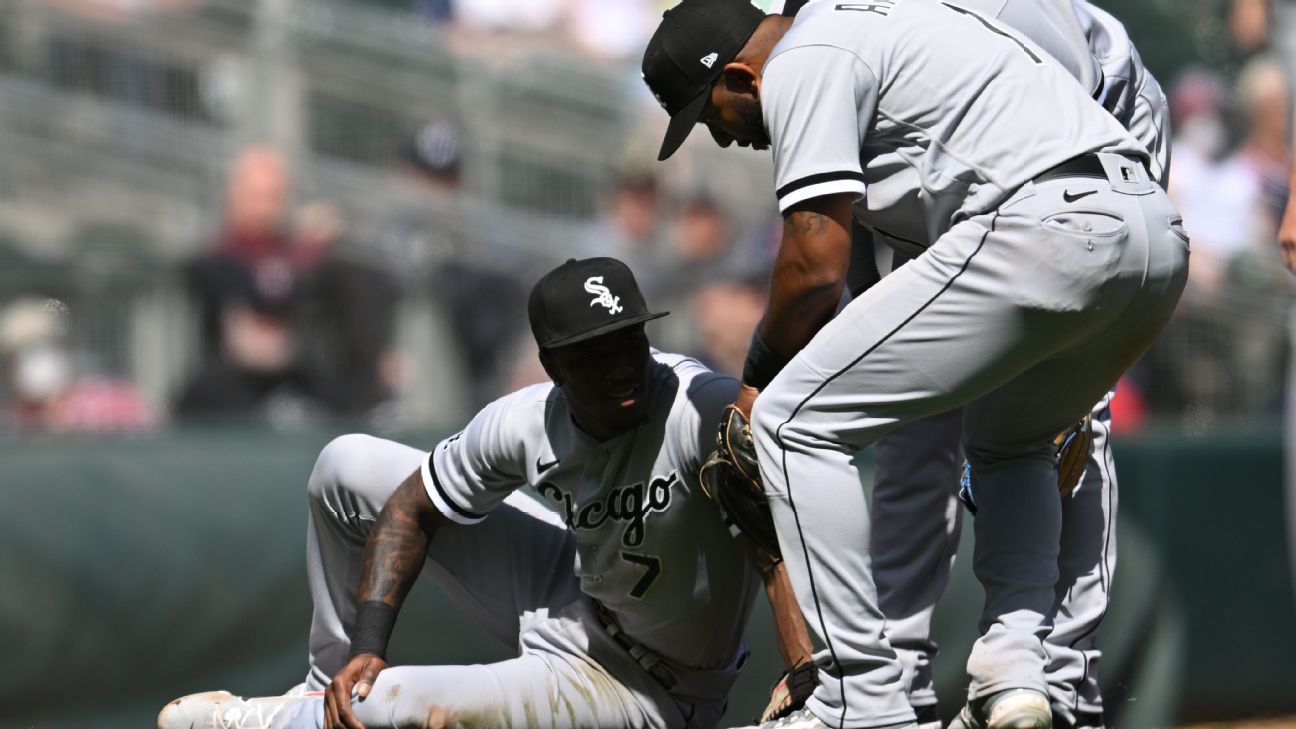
x=393 y=557
x=1287 y=229
x=398 y=544
x=809 y=271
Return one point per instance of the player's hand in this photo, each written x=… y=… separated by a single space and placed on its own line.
x=746 y=399
x=1287 y=236
x=359 y=673
x=791 y=691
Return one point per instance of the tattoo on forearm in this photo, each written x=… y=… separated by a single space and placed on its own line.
x=395 y=552
x=805 y=222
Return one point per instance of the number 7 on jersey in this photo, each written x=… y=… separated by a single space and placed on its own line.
x=651 y=564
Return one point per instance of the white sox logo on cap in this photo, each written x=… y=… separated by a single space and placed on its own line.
x=602 y=295
x=709 y=59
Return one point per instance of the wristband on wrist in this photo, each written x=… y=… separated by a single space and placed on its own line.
x=373 y=628
x=763 y=363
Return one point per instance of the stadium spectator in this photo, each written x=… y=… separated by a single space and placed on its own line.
x=1211 y=196
x=724 y=314
x=700 y=251
x=1256 y=282
x=45 y=391
x=627 y=228
x=348 y=314
x=1264 y=102
x=433 y=240
x=257 y=374
x=701 y=241
x=252 y=242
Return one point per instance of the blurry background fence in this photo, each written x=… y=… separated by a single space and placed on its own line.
x=118 y=125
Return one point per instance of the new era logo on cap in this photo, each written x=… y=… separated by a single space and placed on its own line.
x=710 y=59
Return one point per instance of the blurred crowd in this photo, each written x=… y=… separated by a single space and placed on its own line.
x=295 y=317
x=1225 y=355
x=298 y=313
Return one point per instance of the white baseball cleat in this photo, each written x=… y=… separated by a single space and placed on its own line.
x=223 y=710
x=803 y=719
x=799 y=719
x=1010 y=709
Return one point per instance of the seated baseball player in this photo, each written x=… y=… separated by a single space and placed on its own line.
x=626 y=597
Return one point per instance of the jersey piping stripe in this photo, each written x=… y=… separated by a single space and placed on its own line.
x=1109 y=481
x=443 y=501
x=817 y=179
x=778 y=436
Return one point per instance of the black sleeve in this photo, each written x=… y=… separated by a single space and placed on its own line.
x=863 y=271
x=791 y=7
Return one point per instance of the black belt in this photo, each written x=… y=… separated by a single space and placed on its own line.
x=1084 y=165
x=645 y=657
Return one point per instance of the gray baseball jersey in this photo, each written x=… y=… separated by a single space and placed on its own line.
x=1096 y=50
x=851 y=111
x=1129 y=91
x=629 y=528
x=628 y=500
x=1054 y=26
x=915 y=505
x=942 y=120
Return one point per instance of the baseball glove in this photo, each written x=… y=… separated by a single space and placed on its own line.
x=731 y=478
x=791 y=692
x=1072 y=454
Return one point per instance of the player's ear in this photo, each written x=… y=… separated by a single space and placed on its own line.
x=550 y=367
x=740 y=78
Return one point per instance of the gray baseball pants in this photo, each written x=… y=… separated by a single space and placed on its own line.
x=1025 y=316
x=918 y=519
x=513 y=573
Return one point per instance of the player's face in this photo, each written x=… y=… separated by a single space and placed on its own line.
x=605 y=380
x=735 y=116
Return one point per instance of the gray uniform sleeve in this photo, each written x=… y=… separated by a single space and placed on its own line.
x=817 y=103
x=707 y=397
x=473 y=471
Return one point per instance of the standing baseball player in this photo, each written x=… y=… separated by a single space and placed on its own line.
x=916 y=511
x=627 y=602
x=1048 y=262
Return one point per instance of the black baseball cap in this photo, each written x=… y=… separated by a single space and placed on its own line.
x=584 y=299
x=690 y=49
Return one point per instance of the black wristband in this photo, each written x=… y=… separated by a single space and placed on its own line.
x=373 y=628
x=763 y=364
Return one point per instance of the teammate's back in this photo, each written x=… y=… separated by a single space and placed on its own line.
x=942 y=145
